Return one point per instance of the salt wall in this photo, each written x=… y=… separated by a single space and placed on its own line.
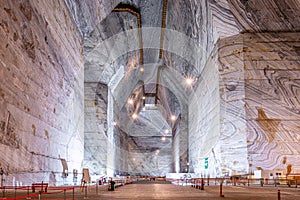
x=41 y=92
x=95 y=127
x=245 y=112
x=272 y=99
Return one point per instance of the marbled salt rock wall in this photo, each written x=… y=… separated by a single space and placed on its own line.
x=41 y=91
x=204 y=122
x=202 y=23
x=121 y=144
x=149 y=156
x=257 y=107
x=88 y=14
x=232 y=99
x=266 y=16
x=183 y=139
x=95 y=127
x=148 y=153
x=176 y=147
x=272 y=88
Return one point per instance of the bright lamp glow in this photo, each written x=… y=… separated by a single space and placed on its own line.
x=173 y=117
x=163 y=138
x=134 y=115
x=130 y=101
x=189 y=81
x=157 y=152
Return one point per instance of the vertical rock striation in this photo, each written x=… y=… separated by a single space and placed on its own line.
x=41 y=86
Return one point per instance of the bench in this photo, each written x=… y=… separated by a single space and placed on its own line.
x=39 y=185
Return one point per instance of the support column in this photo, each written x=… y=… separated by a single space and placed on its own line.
x=111 y=148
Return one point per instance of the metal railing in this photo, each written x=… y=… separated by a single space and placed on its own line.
x=237 y=181
x=27 y=192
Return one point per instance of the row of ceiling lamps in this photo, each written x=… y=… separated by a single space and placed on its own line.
x=189 y=81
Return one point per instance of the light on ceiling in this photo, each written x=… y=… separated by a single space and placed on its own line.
x=157 y=151
x=114 y=123
x=143 y=97
x=130 y=101
x=134 y=116
x=163 y=138
x=167 y=131
x=189 y=81
x=142 y=69
x=173 y=117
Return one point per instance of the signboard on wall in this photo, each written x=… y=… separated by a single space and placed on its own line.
x=205 y=163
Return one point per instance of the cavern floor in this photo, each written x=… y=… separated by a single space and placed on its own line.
x=175 y=192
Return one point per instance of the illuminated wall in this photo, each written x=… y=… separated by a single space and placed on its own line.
x=41 y=92
x=204 y=122
x=272 y=101
x=256 y=111
x=233 y=132
x=95 y=127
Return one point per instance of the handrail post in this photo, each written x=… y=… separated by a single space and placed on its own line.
x=3 y=191
x=64 y=194
x=97 y=187
x=221 y=189
x=28 y=188
x=85 y=192
x=278 y=194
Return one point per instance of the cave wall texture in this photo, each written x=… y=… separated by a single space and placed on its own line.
x=257 y=106
x=271 y=64
x=69 y=67
x=41 y=91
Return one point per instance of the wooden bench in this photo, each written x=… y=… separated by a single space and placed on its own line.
x=39 y=185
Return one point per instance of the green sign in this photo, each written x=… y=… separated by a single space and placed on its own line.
x=205 y=163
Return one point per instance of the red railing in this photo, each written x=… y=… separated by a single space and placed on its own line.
x=234 y=181
x=24 y=192
x=119 y=182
